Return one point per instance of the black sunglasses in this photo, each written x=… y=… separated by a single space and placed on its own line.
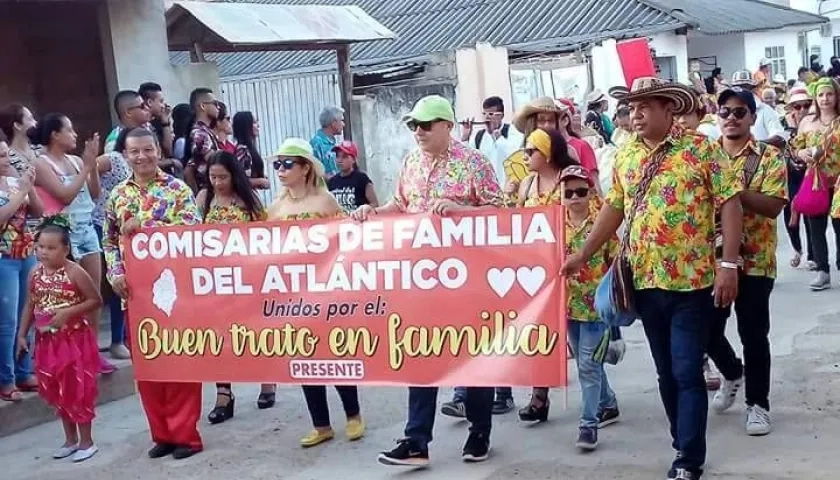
x=285 y=163
x=801 y=106
x=530 y=151
x=570 y=193
x=738 y=112
x=425 y=126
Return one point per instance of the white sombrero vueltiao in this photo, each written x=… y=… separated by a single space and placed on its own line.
x=653 y=87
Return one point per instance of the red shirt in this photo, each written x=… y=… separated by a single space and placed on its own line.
x=228 y=146
x=586 y=155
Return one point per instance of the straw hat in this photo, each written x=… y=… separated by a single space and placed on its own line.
x=538 y=105
x=652 y=87
x=597 y=96
x=743 y=78
x=798 y=94
x=298 y=147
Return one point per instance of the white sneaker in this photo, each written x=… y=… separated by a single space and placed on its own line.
x=811 y=266
x=82 y=455
x=758 y=421
x=65 y=452
x=726 y=395
x=821 y=282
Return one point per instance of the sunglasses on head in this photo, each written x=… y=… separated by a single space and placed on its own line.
x=570 y=193
x=737 y=112
x=285 y=163
x=425 y=126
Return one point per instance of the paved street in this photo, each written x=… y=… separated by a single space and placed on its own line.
x=263 y=444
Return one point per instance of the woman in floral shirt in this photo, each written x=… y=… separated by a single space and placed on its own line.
x=18 y=201
x=816 y=144
x=230 y=199
x=305 y=196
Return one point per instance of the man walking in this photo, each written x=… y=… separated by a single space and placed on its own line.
x=152 y=198
x=762 y=171
x=442 y=176
x=667 y=186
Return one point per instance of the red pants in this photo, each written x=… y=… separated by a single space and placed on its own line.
x=173 y=409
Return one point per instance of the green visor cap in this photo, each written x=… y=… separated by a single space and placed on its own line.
x=429 y=109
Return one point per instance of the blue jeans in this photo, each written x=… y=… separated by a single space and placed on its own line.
x=422 y=408
x=677 y=328
x=596 y=394
x=502 y=394
x=14 y=287
x=114 y=306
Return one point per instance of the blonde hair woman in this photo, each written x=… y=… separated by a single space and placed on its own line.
x=305 y=196
x=815 y=144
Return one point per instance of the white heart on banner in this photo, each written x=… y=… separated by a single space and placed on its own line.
x=501 y=281
x=531 y=279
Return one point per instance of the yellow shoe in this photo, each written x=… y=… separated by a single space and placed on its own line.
x=355 y=429
x=316 y=437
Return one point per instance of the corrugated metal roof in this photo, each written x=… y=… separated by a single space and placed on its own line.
x=722 y=17
x=430 y=26
x=240 y=24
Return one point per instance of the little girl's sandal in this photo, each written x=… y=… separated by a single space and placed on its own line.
x=11 y=396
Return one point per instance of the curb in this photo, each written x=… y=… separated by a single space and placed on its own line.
x=32 y=411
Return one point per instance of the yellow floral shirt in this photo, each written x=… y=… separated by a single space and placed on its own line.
x=830 y=162
x=770 y=179
x=231 y=214
x=580 y=288
x=672 y=235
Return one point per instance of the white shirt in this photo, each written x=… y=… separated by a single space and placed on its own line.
x=710 y=130
x=767 y=124
x=498 y=150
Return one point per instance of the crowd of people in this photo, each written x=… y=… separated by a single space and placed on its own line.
x=698 y=205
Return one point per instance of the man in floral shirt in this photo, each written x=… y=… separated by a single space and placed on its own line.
x=442 y=176
x=151 y=198
x=204 y=140
x=670 y=251
x=764 y=177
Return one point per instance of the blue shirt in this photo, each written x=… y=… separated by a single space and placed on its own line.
x=322 y=147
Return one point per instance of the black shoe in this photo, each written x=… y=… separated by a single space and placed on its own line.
x=222 y=414
x=533 y=413
x=683 y=474
x=454 y=409
x=266 y=400
x=182 y=452
x=502 y=406
x=587 y=439
x=608 y=416
x=477 y=448
x=404 y=455
x=161 y=450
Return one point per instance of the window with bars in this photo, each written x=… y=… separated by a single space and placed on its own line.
x=776 y=56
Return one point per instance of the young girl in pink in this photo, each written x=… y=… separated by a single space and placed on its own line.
x=61 y=298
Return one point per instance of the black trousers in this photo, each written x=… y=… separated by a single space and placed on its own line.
x=819 y=244
x=319 y=409
x=752 y=308
x=795 y=178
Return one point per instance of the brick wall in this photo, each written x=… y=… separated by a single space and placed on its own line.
x=51 y=61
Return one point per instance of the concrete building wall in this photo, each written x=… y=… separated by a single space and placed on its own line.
x=672 y=50
x=727 y=50
x=756 y=45
x=482 y=72
x=136 y=51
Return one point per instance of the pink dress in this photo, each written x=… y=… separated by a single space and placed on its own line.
x=66 y=361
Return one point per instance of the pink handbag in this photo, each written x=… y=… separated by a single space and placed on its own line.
x=813 y=199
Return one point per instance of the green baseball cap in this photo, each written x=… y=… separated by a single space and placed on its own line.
x=431 y=108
